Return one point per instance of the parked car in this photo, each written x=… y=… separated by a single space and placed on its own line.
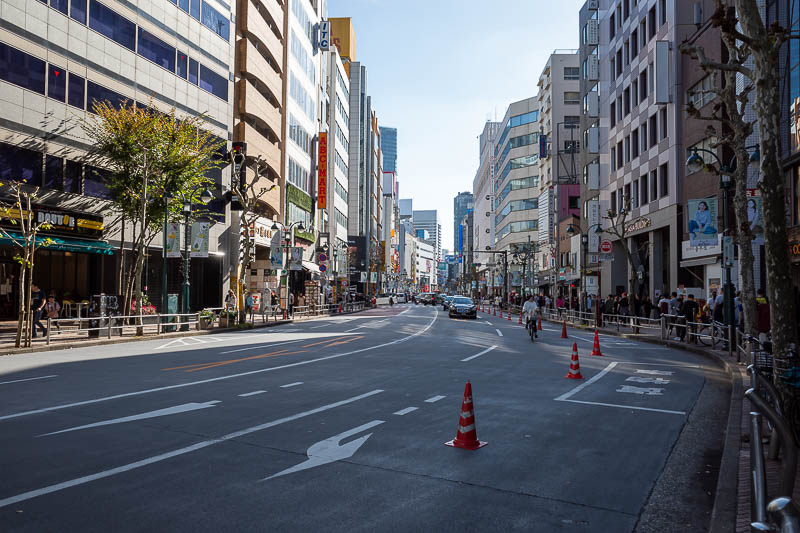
x=382 y=299
x=461 y=306
x=400 y=298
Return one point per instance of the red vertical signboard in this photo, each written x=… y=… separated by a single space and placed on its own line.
x=322 y=171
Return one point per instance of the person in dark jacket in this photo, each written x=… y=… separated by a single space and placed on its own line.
x=690 y=310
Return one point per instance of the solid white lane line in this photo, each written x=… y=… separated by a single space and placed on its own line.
x=435 y=399
x=488 y=322
x=246 y=394
x=180 y=451
x=405 y=411
x=499 y=332
x=487 y=350
x=27 y=379
x=667 y=411
x=222 y=378
x=582 y=386
x=185 y=408
x=295 y=384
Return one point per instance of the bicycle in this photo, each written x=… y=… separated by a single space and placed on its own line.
x=530 y=325
x=710 y=331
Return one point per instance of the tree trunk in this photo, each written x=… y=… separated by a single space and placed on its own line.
x=22 y=318
x=744 y=238
x=773 y=196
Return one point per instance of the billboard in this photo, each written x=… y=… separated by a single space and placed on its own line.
x=322 y=171
x=702 y=217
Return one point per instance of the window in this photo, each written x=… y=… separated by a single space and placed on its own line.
x=73 y=172
x=98 y=93
x=651 y=79
x=612 y=67
x=298 y=176
x=525 y=118
x=193 y=77
x=339 y=217
x=635 y=143
x=214 y=20
x=701 y=93
x=573 y=202
x=634 y=92
x=619 y=108
x=340 y=162
x=613 y=199
x=643 y=86
x=572 y=98
x=626 y=50
x=76 y=95
x=152 y=48
x=663 y=11
x=635 y=194
x=94 y=183
x=653 y=131
x=77 y=10
x=651 y=22
x=341 y=192
x=114 y=26
x=181 y=65
x=628 y=149
x=297 y=214
x=634 y=43
x=213 y=83
x=620 y=155
x=299 y=95
x=517 y=184
x=194 y=10
x=184 y=4
x=643 y=199
x=56 y=83
x=613 y=113
x=619 y=16
x=53 y=172
x=619 y=62
x=20 y=164
x=21 y=69
x=626 y=98
x=572 y=73
x=628 y=197
x=516 y=205
x=663 y=122
x=613 y=158
x=626 y=9
x=517 y=227
x=299 y=135
x=303 y=57
x=303 y=19
x=643 y=135
x=664 y=178
x=653 y=185
x=612 y=27
x=643 y=34
x=60 y=5
x=620 y=200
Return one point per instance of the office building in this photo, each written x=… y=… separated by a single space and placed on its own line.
x=483 y=194
x=463 y=202
x=426 y=222
x=56 y=61
x=389 y=148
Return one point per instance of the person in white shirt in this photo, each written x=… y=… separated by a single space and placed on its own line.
x=530 y=309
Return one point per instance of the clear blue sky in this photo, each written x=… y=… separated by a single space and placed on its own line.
x=438 y=69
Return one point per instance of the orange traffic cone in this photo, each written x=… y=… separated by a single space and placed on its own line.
x=564 y=330
x=509 y=315
x=466 y=437
x=574 y=365
x=539 y=325
x=596 y=345
x=495 y=311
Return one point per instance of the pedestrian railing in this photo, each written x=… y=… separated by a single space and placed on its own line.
x=780 y=514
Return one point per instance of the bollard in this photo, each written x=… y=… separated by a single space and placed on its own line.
x=731 y=340
x=784 y=512
x=109 y=327
x=758 y=503
x=49 y=327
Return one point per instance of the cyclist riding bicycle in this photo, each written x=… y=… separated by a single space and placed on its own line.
x=530 y=310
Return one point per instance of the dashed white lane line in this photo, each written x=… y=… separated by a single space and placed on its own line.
x=246 y=394
x=180 y=451
x=27 y=379
x=488 y=322
x=405 y=411
x=499 y=332
x=435 y=399
x=487 y=350
x=295 y=384
x=220 y=378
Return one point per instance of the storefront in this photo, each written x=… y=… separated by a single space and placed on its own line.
x=71 y=259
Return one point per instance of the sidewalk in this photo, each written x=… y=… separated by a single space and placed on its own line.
x=734 y=475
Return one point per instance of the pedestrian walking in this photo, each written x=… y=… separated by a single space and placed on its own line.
x=248 y=306
x=37 y=308
x=291 y=304
x=52 y=309
x=690 y=309
x=762 y=311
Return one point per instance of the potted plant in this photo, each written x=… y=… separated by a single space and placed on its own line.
x=206 y=319
x=227 y=319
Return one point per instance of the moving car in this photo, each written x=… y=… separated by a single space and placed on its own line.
x=427 y=298
x=446 y=302
x=461 y=306
x=382 y=299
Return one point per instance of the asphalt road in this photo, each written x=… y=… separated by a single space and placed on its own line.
x=339 y=425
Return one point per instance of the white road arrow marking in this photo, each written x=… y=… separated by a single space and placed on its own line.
x=656 y=372
x=656 y=381
x=640 y=390
x=185 y=408
x=330 y=451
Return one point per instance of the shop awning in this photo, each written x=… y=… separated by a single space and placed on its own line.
x=699 y=261
x=62 y=243
x=311 y=267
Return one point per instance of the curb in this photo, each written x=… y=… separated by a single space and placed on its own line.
x=123 y=340
x=723 y=512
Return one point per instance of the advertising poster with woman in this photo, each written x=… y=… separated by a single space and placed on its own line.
x=702 y=215
x=755 y=215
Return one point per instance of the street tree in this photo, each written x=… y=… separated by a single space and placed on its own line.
x=19 y=211
x=149 y=156
x=729 y=111
x=619 y=227
x=747 y=29
x=250 y=196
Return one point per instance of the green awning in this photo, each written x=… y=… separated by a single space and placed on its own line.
x=61 y=243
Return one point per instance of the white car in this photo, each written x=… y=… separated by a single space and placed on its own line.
x=400 y=298
x=382 y=299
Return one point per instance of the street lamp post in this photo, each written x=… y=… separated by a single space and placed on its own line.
x=696 y=163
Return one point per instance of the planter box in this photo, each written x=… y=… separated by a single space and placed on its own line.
x=205 y=323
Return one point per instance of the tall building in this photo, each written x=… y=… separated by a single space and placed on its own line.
x=55 y=63
x=483 y=193
x=463 y=202
x=389 y=149
x=427 y=221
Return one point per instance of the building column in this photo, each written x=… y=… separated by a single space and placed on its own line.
x=674 y=260
x=654 y=268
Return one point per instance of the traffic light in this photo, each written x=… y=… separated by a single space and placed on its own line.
x=238 y=154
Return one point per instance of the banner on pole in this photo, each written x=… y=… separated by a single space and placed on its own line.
x=173 y=240
x=200 y=239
